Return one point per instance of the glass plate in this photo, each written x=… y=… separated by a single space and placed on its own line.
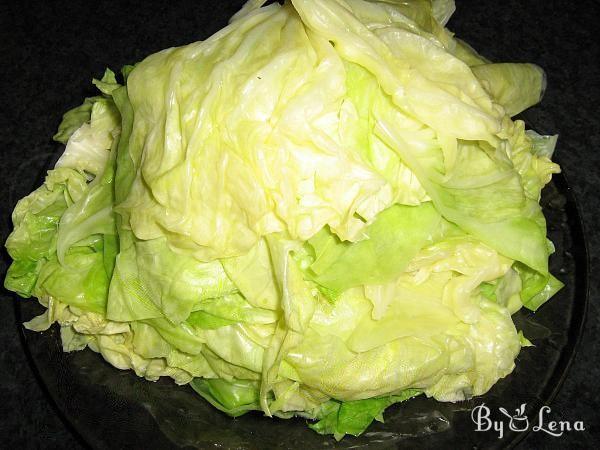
x=111 y=408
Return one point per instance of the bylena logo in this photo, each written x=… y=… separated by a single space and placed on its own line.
x=519 y=421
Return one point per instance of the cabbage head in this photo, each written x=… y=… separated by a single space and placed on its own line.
x=323 y=209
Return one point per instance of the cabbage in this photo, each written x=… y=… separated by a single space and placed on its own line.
x=321 y=210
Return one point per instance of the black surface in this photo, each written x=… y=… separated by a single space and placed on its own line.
x=51 y=50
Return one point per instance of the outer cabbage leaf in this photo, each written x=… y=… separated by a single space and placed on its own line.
x=89 y=145
x=442 y=10
x=81 y=281
x=341 y=418
x=391 y=242
x=151 y=281
x=467 y=54
x=515 y=86
x=90 y=215
x=74 y=119
x=537 y=288
x=234 y=397
x=35 y=220
x=253 y=275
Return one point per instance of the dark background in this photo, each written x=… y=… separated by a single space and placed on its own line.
x=49 y=51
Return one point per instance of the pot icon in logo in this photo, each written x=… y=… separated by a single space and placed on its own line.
x=518 y=422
